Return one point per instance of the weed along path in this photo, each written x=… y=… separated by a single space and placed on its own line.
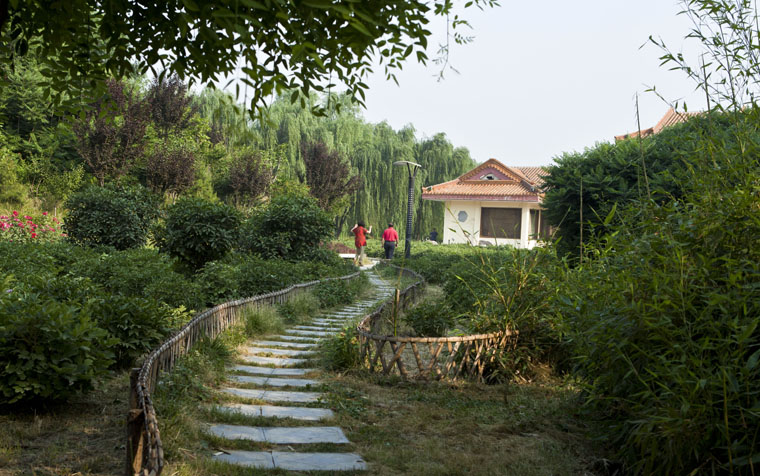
x=273 y=404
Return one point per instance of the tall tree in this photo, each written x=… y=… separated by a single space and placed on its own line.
x=111 y=134
x=171 y=108
x=170 y=169
x=250 y=177
x=306 y=46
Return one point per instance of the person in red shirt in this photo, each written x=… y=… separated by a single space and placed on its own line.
x=360 y=241
x=390 y=238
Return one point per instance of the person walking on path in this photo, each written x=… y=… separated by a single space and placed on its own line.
x=390 y=238
x=360 y=241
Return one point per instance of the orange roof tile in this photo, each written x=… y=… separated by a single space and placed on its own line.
x=507 y=184
x=670 y=118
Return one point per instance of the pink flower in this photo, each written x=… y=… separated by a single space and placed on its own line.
x=15 y=213
x=27 y=217
x=34 y=235
x=44 y=214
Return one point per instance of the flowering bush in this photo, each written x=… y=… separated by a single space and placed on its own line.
x=21 y=228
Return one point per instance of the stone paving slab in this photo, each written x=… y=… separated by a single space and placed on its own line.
x=294 y=338
x=280 y=435
x=318 y=461
x=294 y=461
x=305 y=435
x=272 y=411
x=274 y=395
x=315 y=328
x=307 y=333
x=271 y=371
x=281 y=361
x=285 y=352
x=274 y=343
x=274 y=381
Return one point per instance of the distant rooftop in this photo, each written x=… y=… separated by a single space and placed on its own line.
x=670 y=118
x=491 y=180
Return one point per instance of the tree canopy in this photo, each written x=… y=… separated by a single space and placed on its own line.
x=281 y=45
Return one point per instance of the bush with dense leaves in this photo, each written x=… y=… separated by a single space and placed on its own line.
x=290 y=227
x=430 y=318
x=339 y=291
x=198 y=231
x=142 y=272
x=49 y=350
x=120 y=217
x=138 y=325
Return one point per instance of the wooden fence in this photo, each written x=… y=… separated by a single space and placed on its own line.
x=425 y=357
x=145 y=455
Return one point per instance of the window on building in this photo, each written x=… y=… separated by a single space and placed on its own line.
x=500 y=223
x=539 y=226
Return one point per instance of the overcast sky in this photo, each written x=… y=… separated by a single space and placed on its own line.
x=542 y=78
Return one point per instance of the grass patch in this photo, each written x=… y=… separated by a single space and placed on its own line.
x=92 y=441
x=462 y=428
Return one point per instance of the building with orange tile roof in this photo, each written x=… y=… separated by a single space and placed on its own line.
x=492 y=204
x=670 y=118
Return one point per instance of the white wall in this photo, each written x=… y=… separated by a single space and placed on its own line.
x=468 y=231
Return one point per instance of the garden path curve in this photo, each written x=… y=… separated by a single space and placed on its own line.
x=274 y=387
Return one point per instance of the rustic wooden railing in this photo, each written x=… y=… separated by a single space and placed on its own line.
x=425 y=357
x=145 y=455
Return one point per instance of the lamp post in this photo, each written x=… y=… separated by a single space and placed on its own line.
x=412 y=169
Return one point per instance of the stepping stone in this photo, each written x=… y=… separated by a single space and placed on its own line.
x=271 y=411
x=275 y=382
x=293 y=461
x=273 y=395
x=305 y=435
x=271 y=371
x=281 y=361
x=273 y=343
x=285 y=352
x=308 y=333
x=295 y=338
x=281 y=435
x=314 y=328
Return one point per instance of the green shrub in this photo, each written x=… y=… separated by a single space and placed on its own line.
x=290 y=227
x=49 y=350
x=138 y=325
x=341 y=351
x=299 y=309
x=333 y=293
x=198 y=231
x=120 y=217
x=12 y=190
x=263 y=320
x=430 y=318
x=142 y=273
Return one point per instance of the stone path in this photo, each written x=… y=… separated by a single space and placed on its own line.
x=277 y=371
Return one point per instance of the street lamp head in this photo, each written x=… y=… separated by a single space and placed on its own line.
x=406 y=162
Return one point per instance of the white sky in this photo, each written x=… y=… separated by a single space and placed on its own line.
x=542 y=78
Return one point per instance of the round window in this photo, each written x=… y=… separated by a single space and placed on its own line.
x=462 y=216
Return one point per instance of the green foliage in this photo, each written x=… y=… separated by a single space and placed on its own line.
x=299 y=309
x=430 y=318
x=50 y=350
x=341 y=352
x=614 y=174
x=670 y=346
x=136 y=324
x=261 y=321
x=339 y=291
x=81 y=42
x=12 y=191
x=289 y=227
x=142 y=273
x=198 y=231
x=114 y=216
